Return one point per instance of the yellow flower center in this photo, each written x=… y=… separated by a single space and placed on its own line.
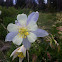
x=20 y=55
x=23 y=32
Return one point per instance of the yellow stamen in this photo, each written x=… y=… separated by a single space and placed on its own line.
x=23 y=32
x=21 y=55
x=26 y=33
x=24 y=36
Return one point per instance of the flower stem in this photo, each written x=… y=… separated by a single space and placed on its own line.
x=20 y=60
x=4 y=27
x=28 y=55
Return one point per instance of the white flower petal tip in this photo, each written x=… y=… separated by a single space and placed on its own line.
x=22 y=13
x=22 y=19
x=10 y=36
x=6 y=40
x=14 y=52
x=47 y=33
x=16 y=21
x=37 y=12
x=12 y=27
x=14 y=57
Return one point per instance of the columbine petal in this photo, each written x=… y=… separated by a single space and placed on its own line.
x=10 y=36
x=26 y=43
x=29 y=17
x=17 y=23
x=20 y=59
x=22 y=19
x=14 y=56
x=33 y=17
x=23 y=50
x=17 y=40
x=14 y=52
x=12 y=27
x=40 y=33
x=32 y=37
x=32 y=26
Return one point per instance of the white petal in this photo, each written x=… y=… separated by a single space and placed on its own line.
x=32 y=26
x=22 y=18
x=23 y=50
x=12 y=27
x=17 y=40
x=14 y=56
x=14 y=52
x=20 y=59
x=32 y=37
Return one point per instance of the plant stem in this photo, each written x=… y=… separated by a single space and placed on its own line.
x=4 y=27
x=20 y=59
x=28 y=55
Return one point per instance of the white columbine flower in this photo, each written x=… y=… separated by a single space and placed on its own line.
x=19 y=52
x=25 y=29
